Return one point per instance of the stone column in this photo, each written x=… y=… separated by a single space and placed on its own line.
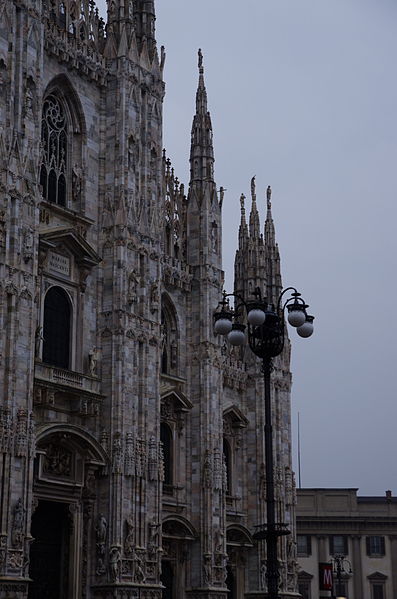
x=357 y=567
x=393 y=559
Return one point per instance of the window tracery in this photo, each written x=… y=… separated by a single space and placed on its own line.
x=54 y=141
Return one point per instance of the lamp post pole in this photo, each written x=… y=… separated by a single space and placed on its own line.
x=339 y=566
x=266 y=327
x=271 y=532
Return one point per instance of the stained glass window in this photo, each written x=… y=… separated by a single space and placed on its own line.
x=54 y=137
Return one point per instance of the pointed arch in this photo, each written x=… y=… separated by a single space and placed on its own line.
x=170 y=337
x=63 y=130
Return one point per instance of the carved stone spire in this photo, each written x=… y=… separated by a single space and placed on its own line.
x=144 y=21
x=254 y=215
x=274 y=283
x=201 y=150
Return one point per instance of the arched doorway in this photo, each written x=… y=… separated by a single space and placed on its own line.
x=50 y=551
x=167 y=579
x=65 y=488
x=231 y=584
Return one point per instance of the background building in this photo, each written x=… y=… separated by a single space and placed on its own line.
x=131 y=438
x=363 y=529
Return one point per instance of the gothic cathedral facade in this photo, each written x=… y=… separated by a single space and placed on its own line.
x=131 y=437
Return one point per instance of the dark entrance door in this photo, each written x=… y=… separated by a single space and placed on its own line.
x=231 y=585
x=49 y=553
x=167 y=579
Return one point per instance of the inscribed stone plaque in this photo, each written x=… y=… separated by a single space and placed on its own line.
x=59 y=264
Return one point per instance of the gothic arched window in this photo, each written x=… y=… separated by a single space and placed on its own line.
x=167 y=441
x=169 y=352
x=56 y=329
x=54 y=142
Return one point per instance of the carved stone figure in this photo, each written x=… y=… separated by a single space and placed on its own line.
x=263 y=575
x=101 y=532
x=269 y=197
x=133 y=283
x=76 y=183
x=18 y=523
x=93 y=357
x=154 y=529
x=28 y=240
x=207 y=470
x=139 y=574
x=129 y=537
x=38 y=339
x=207 y=569
x=154 y=297
x=2 y=225
x=114 y=563
x=58 y=460
x=218 y=539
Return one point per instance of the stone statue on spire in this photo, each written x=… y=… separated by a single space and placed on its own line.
x=269 y=197
x=253 y=187
x=200 y=61
x=242 y=198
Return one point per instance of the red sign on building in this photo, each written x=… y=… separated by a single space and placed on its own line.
x=326 y=577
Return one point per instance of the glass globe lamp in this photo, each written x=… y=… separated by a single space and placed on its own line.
x=237 y=335
x=307 y=328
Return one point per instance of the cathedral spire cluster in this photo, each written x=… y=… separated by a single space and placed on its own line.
x=201 y=150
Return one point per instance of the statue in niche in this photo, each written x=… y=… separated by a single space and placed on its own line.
x=214 y=237
x=93 y=357
x=30 y=97
x=114 y=563
x=154 y=529
x=154 y=297
x=133 y=283
x=38 y=339
x=2 y=224
x=76 y=183
x=263 y=574
x=207 y=470
x=18 y=522
x=129 y=538
x=101 y=533
x=207 y=569
x=218 y=538
x=28 y=240
x=139 y=574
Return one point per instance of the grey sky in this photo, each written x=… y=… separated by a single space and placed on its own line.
x=303 y=95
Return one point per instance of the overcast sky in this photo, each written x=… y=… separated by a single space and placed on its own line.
x=303 y=95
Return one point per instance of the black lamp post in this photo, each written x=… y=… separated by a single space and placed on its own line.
x=340 y=566
x=266 y=326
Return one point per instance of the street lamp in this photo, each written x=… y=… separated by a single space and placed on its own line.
x=340 y=566
x=266 y=327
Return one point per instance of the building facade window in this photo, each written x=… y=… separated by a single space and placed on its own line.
x=169 y=352
x=304 y=546
x=166 y=439
x=57 y=328
x=375 y=546
x=378 y=590
x=338 y=545
x=55 y=154
x=304 y=589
